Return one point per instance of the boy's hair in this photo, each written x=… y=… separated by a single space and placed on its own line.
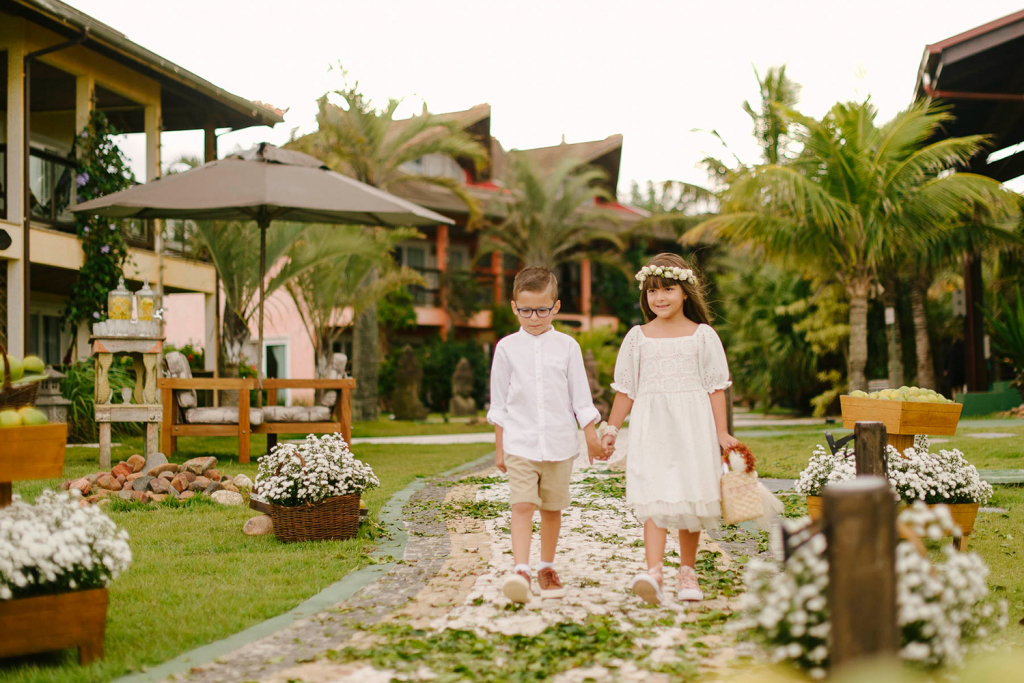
x=696 y=305
x=535 y=280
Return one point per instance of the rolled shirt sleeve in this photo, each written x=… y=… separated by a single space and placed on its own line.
x=579 y=389
x=500 y=378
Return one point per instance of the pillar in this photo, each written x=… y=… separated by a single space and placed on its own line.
x=209 y=143
x=15 y=195
x=153 y=125
x=210 y=344
x=442 y=266
x=85 y=88
x=498 y=271
x=585 y=291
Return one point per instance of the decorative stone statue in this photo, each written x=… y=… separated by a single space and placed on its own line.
x=409 y=378
x=596 y=390
x=462 y=404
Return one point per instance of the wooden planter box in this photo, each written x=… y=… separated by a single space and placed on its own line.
x=903 y=419
x=55 y=622
x=30 y=453
x=964 y=514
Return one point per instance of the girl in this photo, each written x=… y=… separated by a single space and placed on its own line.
x=672 y=373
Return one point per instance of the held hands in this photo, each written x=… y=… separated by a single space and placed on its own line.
x=608 y=445
x=727 y=441
x=499 y=461
x=595 y=451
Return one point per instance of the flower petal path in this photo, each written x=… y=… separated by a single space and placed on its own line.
x=447 y=586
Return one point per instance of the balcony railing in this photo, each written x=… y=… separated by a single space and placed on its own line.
x=467 y=289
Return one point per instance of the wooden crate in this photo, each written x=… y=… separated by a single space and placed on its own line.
x=28 y=453
x=902 y=417
x=964 y=515
x=54 y=622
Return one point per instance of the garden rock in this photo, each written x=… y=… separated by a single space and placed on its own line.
x=242 y=481
x=260 y=525
x=158 y=497
x=180 y=482
x=159 y=485
x=185 y=495
x=168 y=475
x=154 y=460
x=228 y=486
x=125 y=494
x=213 y=487
x=136 y=462
x=122 y=469
x=121 y=480
x=408 y=378
x=200 y=465
x=142 y=483
x=462 y=403
x=108 y=482
x=212 y=475
x=81 y=485
x=199 y=484
x=227 y=498
x=160 y=469
x=91 y=478
x=134 y=476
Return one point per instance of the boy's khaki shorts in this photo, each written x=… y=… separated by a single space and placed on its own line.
x=545 y=484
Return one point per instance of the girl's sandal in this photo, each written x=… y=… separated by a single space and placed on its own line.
x=647 y=585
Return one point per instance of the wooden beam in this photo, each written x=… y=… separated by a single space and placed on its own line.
x=869 y=447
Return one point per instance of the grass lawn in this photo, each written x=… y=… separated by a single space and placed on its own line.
x=196 y=578
x=997 y=537
x=388 y=427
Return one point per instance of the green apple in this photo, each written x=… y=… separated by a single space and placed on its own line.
x=33 y=417
x=17 y=369
x=858 y=394
x=34 y=365
x=10 y=418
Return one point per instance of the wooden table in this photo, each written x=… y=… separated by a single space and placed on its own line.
x=143 y=405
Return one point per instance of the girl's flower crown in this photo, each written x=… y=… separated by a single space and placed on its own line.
x=667 y=272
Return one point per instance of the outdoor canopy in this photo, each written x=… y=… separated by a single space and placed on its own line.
x=263 y=184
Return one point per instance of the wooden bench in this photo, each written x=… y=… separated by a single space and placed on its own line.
x=175 y=425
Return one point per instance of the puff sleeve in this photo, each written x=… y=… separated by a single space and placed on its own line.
x=627 y=365
x=714 y=368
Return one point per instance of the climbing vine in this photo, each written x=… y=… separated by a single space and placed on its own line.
x=100 y=169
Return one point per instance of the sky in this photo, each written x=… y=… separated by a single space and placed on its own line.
x=659 y=73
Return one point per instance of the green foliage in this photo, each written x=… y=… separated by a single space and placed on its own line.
x=80 y=389
x=503 y=320
x=1007 y=325
x=196 y=356
x=101 y=169
x=604 y=342
x=396 y=311
x=438 y=360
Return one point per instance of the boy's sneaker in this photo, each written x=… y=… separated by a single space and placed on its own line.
x=550 y=585
x=517 y=587
x=648 y=588
x=688 y=589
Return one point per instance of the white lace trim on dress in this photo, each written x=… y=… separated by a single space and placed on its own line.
x=692 y=516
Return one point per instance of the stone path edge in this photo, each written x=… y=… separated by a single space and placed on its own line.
x=339 y=591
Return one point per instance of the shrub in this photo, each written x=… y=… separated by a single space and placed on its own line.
x=438 y=360
x=80 y=389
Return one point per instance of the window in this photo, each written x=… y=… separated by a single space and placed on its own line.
x=47 y=338
x=435 y=166
x=51 y=178
x=275 y=366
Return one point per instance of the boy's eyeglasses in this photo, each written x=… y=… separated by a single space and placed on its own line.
x=528 y=312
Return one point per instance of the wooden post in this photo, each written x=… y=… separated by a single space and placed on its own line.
x=243 y=422
x=860 y=523
x=869 y=445
x=167 y=436
x=6 y=493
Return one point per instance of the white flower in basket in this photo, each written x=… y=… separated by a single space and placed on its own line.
x=55 y=546
x=942 y=608
x=312 y=471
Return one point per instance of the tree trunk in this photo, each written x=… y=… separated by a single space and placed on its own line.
x=923 y=346
x=366 y=365
x=892 y=334
x=233 y=338
x=858 y=288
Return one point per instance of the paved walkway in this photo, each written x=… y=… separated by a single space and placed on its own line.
x=446 y=586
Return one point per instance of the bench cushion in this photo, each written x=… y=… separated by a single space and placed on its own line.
x=177 y=368
x=227 y=415
x=297 y=414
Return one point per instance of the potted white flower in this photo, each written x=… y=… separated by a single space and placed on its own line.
x=942 y=608
x=312 y=489
x=822 y=469
x=57 y=558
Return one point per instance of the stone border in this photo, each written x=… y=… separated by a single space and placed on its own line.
x=340 y=591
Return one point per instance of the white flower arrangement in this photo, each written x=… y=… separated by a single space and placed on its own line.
x=667 y=272
x=318 y=468
x=942 y=608
x=943 y=477
x=56 y=546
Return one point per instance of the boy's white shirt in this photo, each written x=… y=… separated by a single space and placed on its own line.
x=539 y=392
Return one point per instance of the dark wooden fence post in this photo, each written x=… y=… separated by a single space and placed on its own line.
x=869 y=446
x=860 y=523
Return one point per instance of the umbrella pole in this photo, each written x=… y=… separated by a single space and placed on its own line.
x=264 y=224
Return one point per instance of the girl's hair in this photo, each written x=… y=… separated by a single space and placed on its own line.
x=695 y=307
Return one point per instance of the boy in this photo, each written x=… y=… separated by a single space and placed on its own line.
x=539 y=391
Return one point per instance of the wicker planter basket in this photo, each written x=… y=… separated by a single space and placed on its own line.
x=11 y=398
x=332 y=519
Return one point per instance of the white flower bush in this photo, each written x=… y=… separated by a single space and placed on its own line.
x=318 y=468
x=943 y=477
x=942 y=608
x=55 y=546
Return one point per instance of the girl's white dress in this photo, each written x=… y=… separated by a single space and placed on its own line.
x=674 y=464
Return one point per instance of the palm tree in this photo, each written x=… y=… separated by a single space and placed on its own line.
x=855 y=194
x=370 y=145
x=552 y=219
x=328 y=295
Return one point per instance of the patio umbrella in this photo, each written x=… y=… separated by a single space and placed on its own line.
x=263 y=184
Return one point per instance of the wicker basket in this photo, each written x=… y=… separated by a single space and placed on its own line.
x=332 y=519
x=11 y=398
